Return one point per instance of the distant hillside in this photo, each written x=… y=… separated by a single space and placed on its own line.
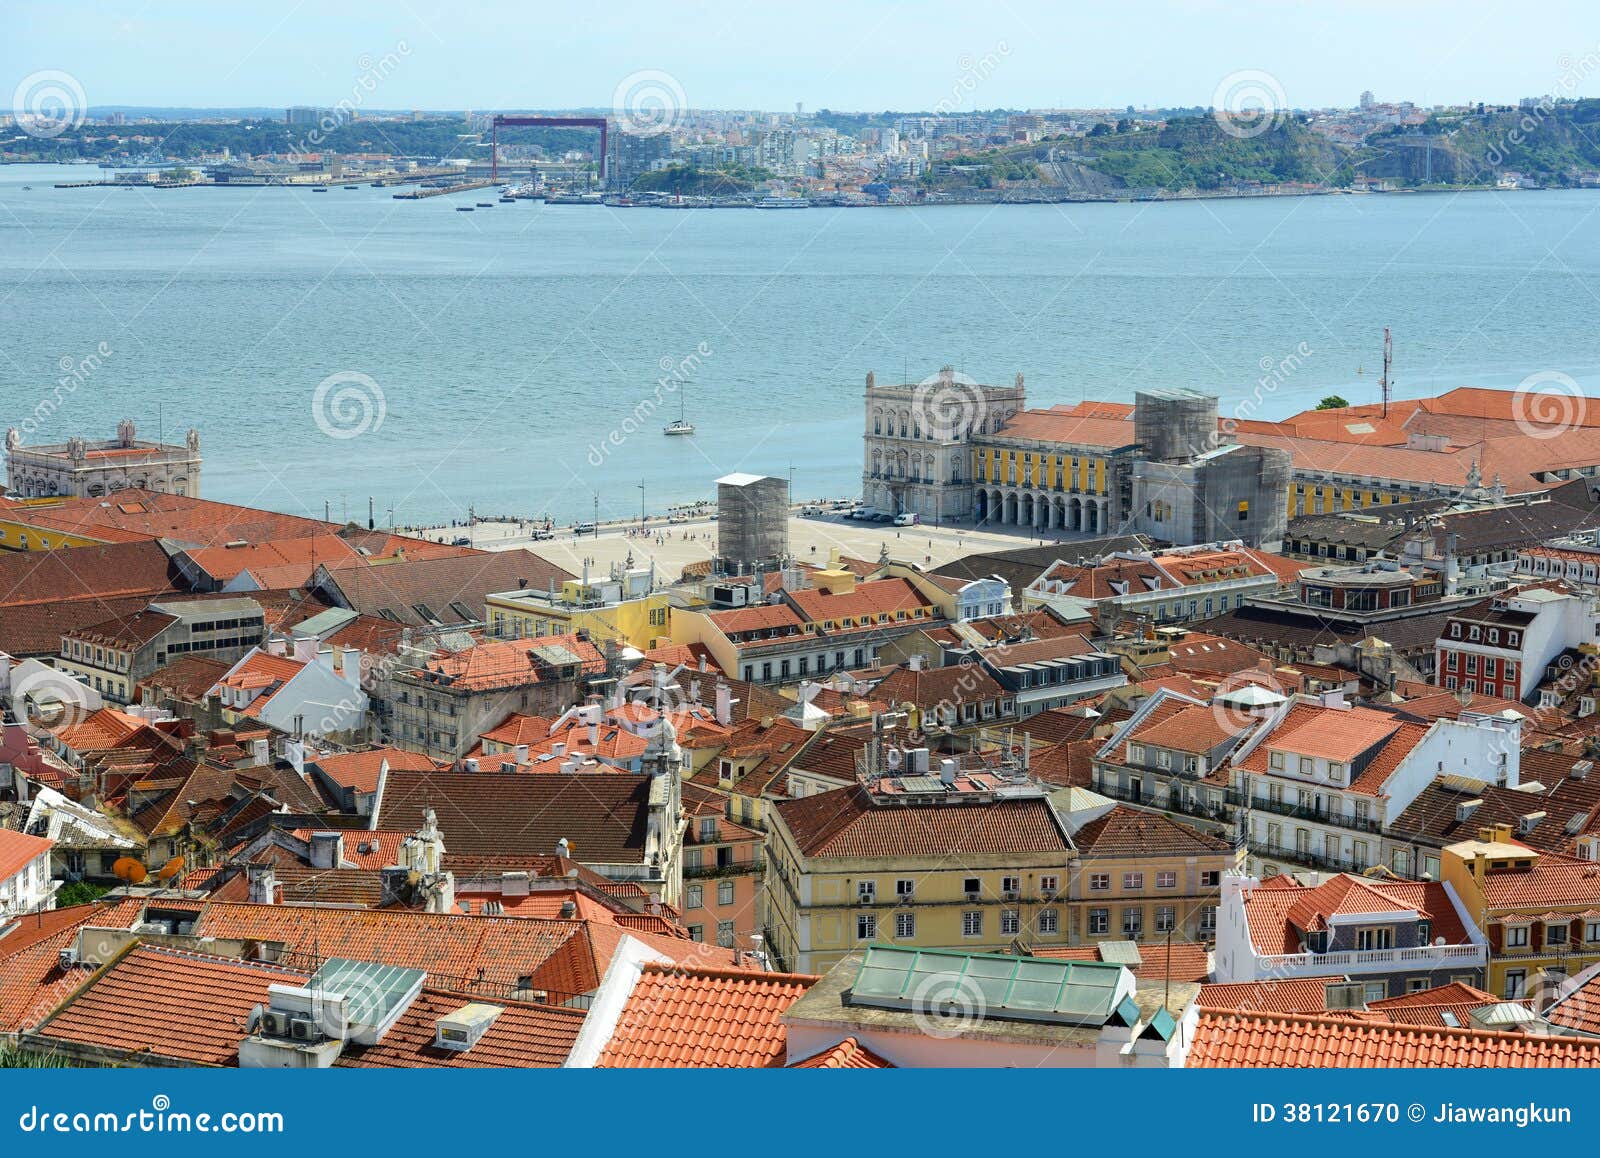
x=1552 y=145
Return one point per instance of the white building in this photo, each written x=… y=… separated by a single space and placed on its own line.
x=308 y=694
x=25 y=882
x=918 y=454
x=83 y=469
x=1504 y=651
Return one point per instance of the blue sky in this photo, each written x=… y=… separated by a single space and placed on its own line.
x=862 y=55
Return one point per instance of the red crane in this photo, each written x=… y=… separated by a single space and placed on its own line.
x=548 y=122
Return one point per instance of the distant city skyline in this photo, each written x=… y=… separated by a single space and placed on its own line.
x=956 y=57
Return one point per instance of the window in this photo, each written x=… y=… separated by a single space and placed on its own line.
x=1555 y=936
x=1381 y=937
x=1099 y=920
x=1099 y=882
x=1418 y=984
x=1211 y=879
x=1132 y=923
x=905 y=924
x=1049 y=922
x=972 y=886
x=1516 y=936
x=1166 y=880
x=1591 y=932
x=1049 y=884
x=694 y=896
x=724 y=892
x=1010 y=922
x=1132 y=882
x=1336 y=772
x=905 y=887
x=708 y=829
x=1166 y=918
x=1277 y=760
x=1516 y=982
x=697 y=932
x=1208 y=919
x=1010 y=884
x=867 y=892
x=691 y=859
x=972 y=923
x=1307 y=765
x=725 y=934
x=866 y=926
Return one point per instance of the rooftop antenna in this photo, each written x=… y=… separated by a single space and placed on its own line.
x=1383 y=382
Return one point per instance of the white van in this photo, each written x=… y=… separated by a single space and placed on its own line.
x=908 y=519
x=583 y=529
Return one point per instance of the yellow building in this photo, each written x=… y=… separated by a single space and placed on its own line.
x=625 y=607
x=1540 y=912
x=948 y=858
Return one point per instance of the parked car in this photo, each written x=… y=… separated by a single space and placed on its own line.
x=461 y=541
x=583 y=529
x=541 y=533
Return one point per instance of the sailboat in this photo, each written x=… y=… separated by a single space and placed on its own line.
x=680 y=424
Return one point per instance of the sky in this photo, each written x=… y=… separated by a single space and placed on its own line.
x=868 y=55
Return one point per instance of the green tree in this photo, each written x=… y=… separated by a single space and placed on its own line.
x=1332 y=402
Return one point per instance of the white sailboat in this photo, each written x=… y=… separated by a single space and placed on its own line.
x=680 y=424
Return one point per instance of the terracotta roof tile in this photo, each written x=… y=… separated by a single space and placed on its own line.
x=17 y=849
x=1257 y=1040
x=704 y=1018
x=849 y=1054
x=1125 y=832
x=848 y=823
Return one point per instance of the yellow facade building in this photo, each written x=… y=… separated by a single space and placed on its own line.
x=949 y=858
x=1539 y=911
x=625 y=606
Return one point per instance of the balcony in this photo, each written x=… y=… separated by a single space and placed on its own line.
x=1371 y=960
x=1302 y=812
x=1308 y=858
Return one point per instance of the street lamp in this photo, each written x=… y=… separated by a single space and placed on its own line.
x=642 y=516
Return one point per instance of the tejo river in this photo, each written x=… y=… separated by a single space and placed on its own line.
x=502 y=349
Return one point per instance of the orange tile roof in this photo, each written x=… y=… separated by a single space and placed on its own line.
x=1277 y=913
x=523 y=1036
x=873 y=598
x=680 y=1017
x=169 y=1004
x=31 y=978
x=1273 y=995
x=510 y=663
x=849 y=1054
x=295 y=559
x=1186 y=961
x=847 y=823
x=1332 y=733
x=1132 y=832
x=135 y=514
x=1257 y=1040
x=18 y=850
x=1553 y=880
x=358 y=771
x=1190 y=729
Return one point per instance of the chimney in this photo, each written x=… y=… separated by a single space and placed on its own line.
x=259 y=749
x=305 y=648
x=520 y=753
x=724 y=704
x=351 y=662
x=569 y=909
x=914 y=663
x=564 y=848
x=277 y=645
x=263 y=884
x=947 y=771
x=327 y=849
x=325 y=657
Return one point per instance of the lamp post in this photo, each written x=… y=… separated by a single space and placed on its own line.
x=642 y=516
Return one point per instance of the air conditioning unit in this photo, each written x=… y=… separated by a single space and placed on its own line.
x=974 y=896
x=68 y=958
x=1010 y=896
x=275 y=1023
x=304 y=1029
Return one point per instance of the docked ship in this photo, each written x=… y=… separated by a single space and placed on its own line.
x=783 y=203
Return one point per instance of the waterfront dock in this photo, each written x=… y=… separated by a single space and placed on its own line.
x=463 y=187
